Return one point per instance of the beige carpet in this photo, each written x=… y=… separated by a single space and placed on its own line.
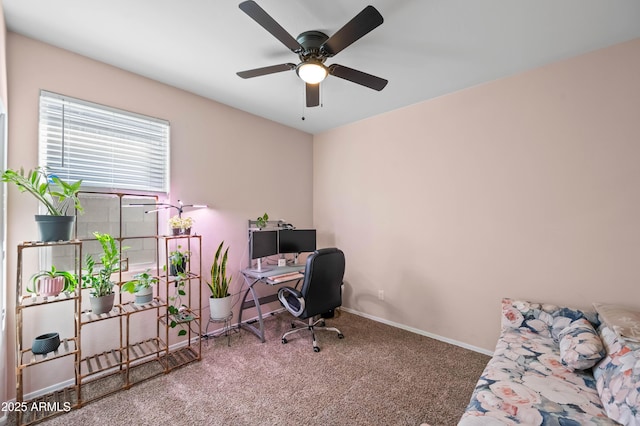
x=376 y=375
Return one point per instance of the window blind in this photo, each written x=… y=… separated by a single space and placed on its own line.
x=103 y=146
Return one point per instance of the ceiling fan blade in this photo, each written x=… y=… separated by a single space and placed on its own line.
x=258 y=14
x=257 y=72
x=313 y=94
x=364 y=22
x=358 y=77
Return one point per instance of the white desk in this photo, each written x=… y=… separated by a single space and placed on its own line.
x=251 y=277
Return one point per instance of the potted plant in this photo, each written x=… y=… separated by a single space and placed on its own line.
x=141 y=287
x=220 y=299
x=262 y=221
x=101 y=293
x=53 y=282
x=178 y=261
x=58 y=196
x=181 y=225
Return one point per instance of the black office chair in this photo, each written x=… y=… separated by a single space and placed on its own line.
x=321 y=292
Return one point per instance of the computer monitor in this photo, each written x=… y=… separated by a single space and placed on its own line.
x=263 y=244
x=296 y=240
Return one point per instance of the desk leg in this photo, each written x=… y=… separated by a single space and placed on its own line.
x=258 y=332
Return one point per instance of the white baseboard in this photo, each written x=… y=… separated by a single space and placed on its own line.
x=397 y=325
x=418 y=331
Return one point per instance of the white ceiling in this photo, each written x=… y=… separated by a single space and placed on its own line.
x=425 y=48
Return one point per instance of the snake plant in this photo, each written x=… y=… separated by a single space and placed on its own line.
x=219 y=284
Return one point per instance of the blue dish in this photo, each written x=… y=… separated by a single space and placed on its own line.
x=45 y=343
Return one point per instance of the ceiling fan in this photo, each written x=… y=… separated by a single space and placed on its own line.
x=314 y=47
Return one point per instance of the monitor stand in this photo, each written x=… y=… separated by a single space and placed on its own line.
x=259 y=267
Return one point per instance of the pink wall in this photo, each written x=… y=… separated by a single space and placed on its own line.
x=524 y=187
x=220 y=156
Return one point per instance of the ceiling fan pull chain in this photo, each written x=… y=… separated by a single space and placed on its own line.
x=304 y=99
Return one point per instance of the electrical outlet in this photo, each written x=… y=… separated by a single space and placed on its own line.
x=380 y=294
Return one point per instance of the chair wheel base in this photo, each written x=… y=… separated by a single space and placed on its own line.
x=316 y=349
x=284 y=341
x=340 y=336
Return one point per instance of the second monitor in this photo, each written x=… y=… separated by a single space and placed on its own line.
x=266 y=243
x=296 y=240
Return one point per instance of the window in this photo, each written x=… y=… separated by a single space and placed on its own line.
x=105 y=147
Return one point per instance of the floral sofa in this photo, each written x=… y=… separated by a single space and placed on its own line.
x=561 y=366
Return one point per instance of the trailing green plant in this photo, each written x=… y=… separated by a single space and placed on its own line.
x=262 y=221
x=173 y=310
x=55 y=194
x=219 y=284
x=140 y=281
x=100 y=282
x=70 y=280
x=178 y=259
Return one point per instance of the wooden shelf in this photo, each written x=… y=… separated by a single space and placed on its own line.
x=67 y=347
x=132 y=308
x=30 y=301
x=146 y=348
x=88 y=317
x=50 y=244
x=181 y=357
x=187 y=312
x=102 y=362
x=52 y=404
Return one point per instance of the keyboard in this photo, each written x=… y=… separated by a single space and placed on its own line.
x=290 y=276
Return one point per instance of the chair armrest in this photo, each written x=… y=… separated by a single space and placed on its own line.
x=291 y=290
x=290 y=297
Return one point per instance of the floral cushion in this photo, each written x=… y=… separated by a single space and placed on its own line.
x=580 y=345
x=544 y=319
x=525 y=381
x=618 y=377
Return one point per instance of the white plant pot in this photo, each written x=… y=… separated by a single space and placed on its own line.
x=220 y=307
x=144 y=296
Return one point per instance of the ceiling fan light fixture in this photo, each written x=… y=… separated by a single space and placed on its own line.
x=312 y=72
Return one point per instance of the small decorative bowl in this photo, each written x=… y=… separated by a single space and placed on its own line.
x=46 y=343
